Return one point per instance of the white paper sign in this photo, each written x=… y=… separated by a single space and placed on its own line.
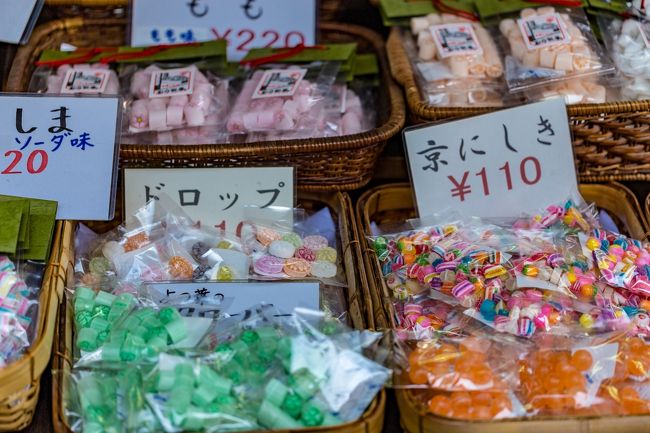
x=17 y=19
x=214 y=197
x=61 y=148
x=210 y=298
x=500 y=164
x=245 y=24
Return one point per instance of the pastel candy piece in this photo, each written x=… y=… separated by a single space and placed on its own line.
x=462 y=289
x=305 y=253
x=564 y=61
x=297 y=268
x=178 y=100
x=268 y=266
x=293 y=238
x=351 y=123
x=528 y=12
x=157 y=103
x=459 y=66
x=427 y=50
x=434 y=19
x=174 y=115
x=320 y=269
x=419 y=24
x=202 y=96
x=282 y=249
x=266 y=119
x=266 y=235
x=531 y=58
x=327 y=254
x=54 y=84
x=139 y=114
x=113 y=85
x=545 y=10
x=62 y=70
x=315 y=242
x=547 y=58
x=140 y=84
x=158 y=118
x=412 y=309
x=194 y=115
x=507 y=26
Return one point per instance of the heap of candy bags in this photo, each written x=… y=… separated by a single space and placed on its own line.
x=534 y=317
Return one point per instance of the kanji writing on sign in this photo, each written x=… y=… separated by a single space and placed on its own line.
x=197 y=9
x=252 y=12
x=82 y=141
x=189 y=197
x=275 y=192
x=475 y=152
x=170 y=36
x=228 y=197
x=545 y=126
x=432 y=154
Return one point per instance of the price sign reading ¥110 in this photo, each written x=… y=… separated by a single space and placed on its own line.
x=245 y=24
x=62 y=149
x=501 y=164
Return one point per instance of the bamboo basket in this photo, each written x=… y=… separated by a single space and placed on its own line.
x=341 y=207
x=611 y=140
x=323 y=164
x=393 y=204
x=328 y=9
x=20 y=381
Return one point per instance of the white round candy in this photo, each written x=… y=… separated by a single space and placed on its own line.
x=282 y=249
x=322 y=269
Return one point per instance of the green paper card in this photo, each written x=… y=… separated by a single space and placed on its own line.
x=491 y=8
x=396 y=9
x=615 y=6
x=23 y=234
x=366 y=64
x=42 y=219
x=10 y=215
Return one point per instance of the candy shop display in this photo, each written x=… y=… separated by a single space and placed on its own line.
x=457 y=61
x=627 y=42
x=548 y=45
x=79 y=78
x=19 y=291
x=163 y=98
x=283 y=97
x=261 y=371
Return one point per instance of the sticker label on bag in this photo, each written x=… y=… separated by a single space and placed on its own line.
x=171 y=82
x=541 y=31
x=279 y=82
x=456 y=40
x=85 y=81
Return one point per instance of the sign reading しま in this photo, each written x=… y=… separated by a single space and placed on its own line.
x=501 y=164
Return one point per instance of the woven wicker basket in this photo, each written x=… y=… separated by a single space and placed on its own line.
x=341 y=207
x=324 y=164
x=393 y=204
x=328 y=9
x=612 y=140
x=20 y=381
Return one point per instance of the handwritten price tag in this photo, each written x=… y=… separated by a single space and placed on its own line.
x=245 y=24
x=215 y=197
x=500 y=164
x=62 y=149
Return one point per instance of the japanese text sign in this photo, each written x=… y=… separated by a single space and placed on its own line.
x=213 y=196
x=501 y=164
x=62 y=149
x=17 y=19
x=209 y=298
x=245 y=24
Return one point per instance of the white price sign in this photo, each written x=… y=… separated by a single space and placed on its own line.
x=63 y=149
x=215 y=197
x=210 y=298
x=17 y=19
x=501 y=164
x=245 y=24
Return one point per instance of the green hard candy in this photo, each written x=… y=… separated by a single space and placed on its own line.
x=312 y=416
x=293 y=239
x=83 y=319
x=99 y=265
x=329 y=328
x=292 y=405
x=249 y=337
x=101 y=311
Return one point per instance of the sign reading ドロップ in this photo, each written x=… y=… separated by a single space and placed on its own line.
x=245 y=24
x=501 y=164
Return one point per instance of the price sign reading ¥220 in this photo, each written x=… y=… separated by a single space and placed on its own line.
x=245 y=24
x=501 y=164
x=62 y=149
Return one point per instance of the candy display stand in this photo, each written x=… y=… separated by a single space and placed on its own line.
x=340 y=206
x=114 y=8
x=610 y=139
x=394 y=204
x=20 y=381
x=323 y=164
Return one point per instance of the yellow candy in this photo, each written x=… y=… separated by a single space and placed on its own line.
x=593 y=244
x=571 y=276
x=587 y=321
x=224 y=274
x=530 y=271
x=224 y=245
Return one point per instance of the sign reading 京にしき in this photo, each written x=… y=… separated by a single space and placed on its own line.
x=503 y=164
x=62 y=149
x=245 y=24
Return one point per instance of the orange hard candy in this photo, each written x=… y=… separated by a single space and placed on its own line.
x=581 y=360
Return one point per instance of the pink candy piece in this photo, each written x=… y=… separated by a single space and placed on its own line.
x=139 y=114
x=462 y=290
x=315 y=242
x=194 y=115
x=269 y=266
x=410 y=309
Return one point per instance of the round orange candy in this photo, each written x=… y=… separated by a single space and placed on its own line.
x=635 y=367
x=480 y=412
x=418 y=376
x=180 y=269
x=440 y=405
x=582 y=360
x=136 y=241
x=628 y=393
x=481 y=375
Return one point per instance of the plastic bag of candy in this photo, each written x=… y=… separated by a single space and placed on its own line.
x=74 y=79
x=283 y=97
